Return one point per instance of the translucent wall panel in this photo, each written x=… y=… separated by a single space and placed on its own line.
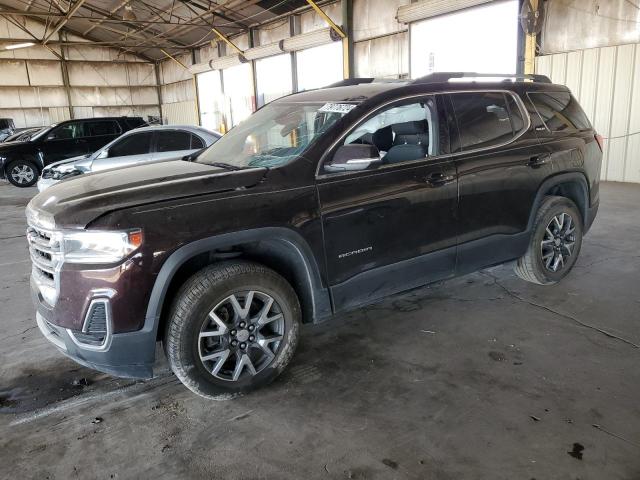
x=319 y=66
x=273 y=78
x=238 y=92
x=481 y=39
x=210 y=98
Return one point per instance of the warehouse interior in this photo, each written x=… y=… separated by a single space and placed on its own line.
x=481 y=376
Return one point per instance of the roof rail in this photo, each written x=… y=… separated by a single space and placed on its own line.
x=350 y=81
x=357 y=81
x=441 y=77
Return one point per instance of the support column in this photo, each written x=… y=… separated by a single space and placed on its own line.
x=347 y=42
x=159 y=91
x=65 y=75
x=530 y=47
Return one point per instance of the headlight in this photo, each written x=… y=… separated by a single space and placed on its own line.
x=94 y=246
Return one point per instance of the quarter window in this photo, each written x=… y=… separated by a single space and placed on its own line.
x=483 y=119
x=196 y=142
x=173 y=141
x=558 y=111
x=137 y=144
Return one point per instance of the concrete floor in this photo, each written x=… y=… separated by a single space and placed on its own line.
x=484 y=376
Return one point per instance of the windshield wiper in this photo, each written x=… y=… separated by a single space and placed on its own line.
x=226 y=166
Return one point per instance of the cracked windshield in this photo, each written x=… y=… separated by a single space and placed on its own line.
x=274 y=135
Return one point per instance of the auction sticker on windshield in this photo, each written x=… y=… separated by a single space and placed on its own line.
x=337 y=107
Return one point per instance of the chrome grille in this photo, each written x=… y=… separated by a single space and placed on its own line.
x=45 y=250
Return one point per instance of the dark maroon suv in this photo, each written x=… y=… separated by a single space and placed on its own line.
x=320 y=202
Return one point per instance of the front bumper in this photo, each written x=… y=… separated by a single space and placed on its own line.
x=130 y=354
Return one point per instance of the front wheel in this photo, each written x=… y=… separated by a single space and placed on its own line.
x=555 y=243
x=233 y=328
x=22 y=173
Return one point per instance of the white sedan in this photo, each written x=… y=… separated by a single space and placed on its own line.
x=142 y=145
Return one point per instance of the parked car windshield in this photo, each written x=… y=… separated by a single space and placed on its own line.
x=274 y=135
x=43 y=132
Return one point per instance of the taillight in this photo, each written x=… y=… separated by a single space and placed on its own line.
x=600 y=140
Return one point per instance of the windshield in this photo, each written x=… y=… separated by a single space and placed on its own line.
x=274 y=135
x=42 y=132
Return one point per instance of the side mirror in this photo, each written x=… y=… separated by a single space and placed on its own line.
x=354 y=157
x=103 y=154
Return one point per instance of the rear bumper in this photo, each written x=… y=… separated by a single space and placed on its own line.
x=130 y=354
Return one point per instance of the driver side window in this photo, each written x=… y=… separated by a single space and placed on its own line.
x=403 y=132
x=67 y=131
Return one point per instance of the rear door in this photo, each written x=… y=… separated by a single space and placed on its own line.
x=100 y=132
x=393 y=227
x=175 y=144
x=498 y=156
x=127 y=150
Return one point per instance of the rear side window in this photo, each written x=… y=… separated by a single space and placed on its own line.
x=136 y=144
x=558 y=112
x=172 y=141
x=134 y=122
x=196 y=143
x=484 y=120
x=104 y=127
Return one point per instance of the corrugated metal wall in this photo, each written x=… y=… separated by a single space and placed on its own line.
x=606 y=81
x=102 y=82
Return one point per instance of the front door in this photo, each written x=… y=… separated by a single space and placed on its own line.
x=125 y=151
x=64 y=141
x=393 y=227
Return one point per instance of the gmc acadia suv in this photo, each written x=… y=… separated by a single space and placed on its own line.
x=319 y=202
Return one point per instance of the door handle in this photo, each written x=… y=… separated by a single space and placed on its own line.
x=438 y=179
x=539 y=160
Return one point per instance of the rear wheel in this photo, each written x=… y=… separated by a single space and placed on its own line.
x=555 y=243
x=232 y=328
x=22 y=173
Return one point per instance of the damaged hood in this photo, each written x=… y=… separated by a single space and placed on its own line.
x=76 y=202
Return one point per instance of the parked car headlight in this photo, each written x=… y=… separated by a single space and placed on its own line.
x=95 y=246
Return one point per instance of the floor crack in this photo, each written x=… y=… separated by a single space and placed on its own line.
x=560 y=314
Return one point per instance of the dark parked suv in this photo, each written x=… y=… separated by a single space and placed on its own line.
x=320 y=202
x=22 y=162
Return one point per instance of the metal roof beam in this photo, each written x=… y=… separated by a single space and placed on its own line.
x=64 y=21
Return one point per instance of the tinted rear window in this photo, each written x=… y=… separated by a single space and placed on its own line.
x=483 y=119
x=173 y=141
x=134 y=122
x=558 y=111
x=102 y=127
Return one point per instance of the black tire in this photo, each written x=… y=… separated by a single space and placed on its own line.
x=536 y=266
x=17 y=170
x=191 y=313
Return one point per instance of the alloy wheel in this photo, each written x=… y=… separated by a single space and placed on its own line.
x=22 y=174
x=558 y=242
x=241 y=335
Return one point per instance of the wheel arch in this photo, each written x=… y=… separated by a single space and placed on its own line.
x=24 y=157
x=571 y=185
x=280 y=249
